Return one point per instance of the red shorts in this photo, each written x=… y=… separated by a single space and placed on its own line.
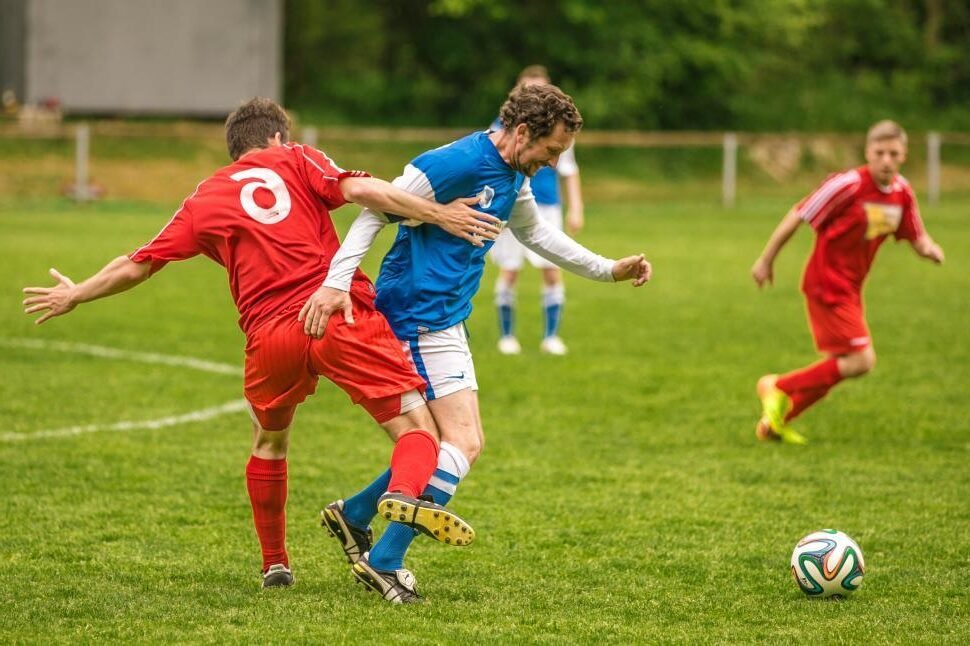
x=366 y=360
x=839 y=327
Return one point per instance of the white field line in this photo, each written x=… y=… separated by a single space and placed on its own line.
x=233 y=406
x=123 y=355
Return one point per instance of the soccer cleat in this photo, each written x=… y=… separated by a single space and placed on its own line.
x=775 y=406
x=426 y=516
x=763 y=432
x=398 y=586
x=353 y=541
x=509 y=345
x=277 y=576
x=553 y=345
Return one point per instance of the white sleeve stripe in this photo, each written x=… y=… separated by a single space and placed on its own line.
x=172 y=219
x=826 y=193
x=832 y=204
x=317 y=166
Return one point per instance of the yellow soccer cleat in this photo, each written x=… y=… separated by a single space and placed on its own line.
x=775 y=406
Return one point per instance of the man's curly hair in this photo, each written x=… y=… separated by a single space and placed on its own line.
x=540 y=107
x=252 y=123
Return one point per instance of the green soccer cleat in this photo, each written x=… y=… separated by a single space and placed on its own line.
x=353 y=541
x=426 y=516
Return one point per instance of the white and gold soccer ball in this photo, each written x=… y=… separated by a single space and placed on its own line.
x=827 y=563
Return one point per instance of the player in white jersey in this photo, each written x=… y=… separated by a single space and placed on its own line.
x=510 y=255
x=426 y=286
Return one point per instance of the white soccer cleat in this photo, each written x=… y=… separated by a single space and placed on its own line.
x=553 y=345
x=509 y=345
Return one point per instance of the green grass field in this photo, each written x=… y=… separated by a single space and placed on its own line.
x=621 y=496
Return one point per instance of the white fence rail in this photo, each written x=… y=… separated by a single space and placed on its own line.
x=729 y=142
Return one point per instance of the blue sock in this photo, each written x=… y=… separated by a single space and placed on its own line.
x=506 y=319
x=553 y=314
x=505 y=302
x=388 y=553
x=553 y=298
x=360 y=508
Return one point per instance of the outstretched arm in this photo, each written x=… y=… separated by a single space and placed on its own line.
x=927 y=248
x=763 y=269
x=457 y=217
x=119 y=275
x=555 y=246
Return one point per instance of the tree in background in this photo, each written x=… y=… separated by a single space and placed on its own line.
x=651 y=64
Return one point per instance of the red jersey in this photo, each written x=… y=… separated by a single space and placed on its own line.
x=266 y=219
x=852 y=216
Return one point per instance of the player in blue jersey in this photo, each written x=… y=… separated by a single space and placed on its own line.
x=425 y=289
x=510 y=255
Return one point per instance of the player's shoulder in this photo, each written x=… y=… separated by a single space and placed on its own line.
x=901 y=184
x=459 y=158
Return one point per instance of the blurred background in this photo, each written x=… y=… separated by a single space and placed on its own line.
x=375 y=81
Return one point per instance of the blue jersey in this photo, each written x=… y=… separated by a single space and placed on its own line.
x=428 y=278
x=545 y=186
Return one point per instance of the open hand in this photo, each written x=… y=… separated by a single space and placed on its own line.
x=57 y=300
x=460 y=220
x=321 y=305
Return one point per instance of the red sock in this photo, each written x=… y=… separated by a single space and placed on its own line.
x=823 y=374
x=808 y=385
x=266 y=481
x=414 y=459
x=802 y=399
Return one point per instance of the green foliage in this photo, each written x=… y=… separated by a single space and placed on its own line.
x=621 y=497
x=654 y=64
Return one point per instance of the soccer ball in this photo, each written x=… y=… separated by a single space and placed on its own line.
x=827 y=563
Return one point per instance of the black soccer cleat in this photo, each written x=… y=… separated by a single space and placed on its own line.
x=398 y=586
x=353 y=541
x=426 y=516
x=277 y=576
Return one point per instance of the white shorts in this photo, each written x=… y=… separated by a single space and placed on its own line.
x=509 y=254
x=444 y=360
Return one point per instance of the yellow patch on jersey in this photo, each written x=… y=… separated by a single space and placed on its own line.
x=883 y=218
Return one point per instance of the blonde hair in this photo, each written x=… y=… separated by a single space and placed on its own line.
x=886 y=129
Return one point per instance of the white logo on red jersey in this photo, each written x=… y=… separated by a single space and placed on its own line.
x=270 y=181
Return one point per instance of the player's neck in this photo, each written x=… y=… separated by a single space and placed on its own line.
x=504 y=143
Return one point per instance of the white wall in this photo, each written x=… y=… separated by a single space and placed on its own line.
x=198 y=57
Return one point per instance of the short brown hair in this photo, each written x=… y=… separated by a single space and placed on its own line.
x=540 y=108
x=253 y=123
x=534 y=72
x=886 y=129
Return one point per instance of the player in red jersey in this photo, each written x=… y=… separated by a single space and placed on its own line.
x=266 y=219
x=852 y=214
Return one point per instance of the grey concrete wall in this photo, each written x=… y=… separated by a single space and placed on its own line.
x=12 y=18
x=194 y=57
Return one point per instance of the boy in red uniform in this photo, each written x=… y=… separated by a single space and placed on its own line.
x=266 y=219
x=852 y=214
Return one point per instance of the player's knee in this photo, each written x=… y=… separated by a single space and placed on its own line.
x=470 y=446
x=859 y=364
x=271 y=445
